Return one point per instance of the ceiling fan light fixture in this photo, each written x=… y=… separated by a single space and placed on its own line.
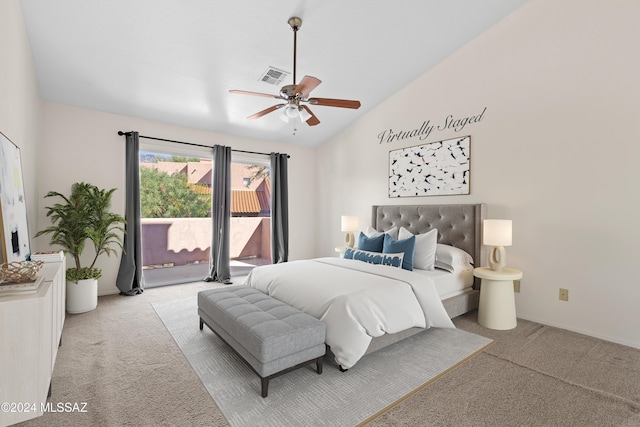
x=291 y=111
x=304 y=114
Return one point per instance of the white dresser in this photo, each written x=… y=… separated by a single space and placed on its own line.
x=30 y=333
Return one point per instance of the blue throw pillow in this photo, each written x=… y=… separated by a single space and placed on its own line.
x=371 y=244
x=392 y=260
x=393 y=246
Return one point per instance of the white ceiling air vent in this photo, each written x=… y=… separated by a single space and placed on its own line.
x=274 y=76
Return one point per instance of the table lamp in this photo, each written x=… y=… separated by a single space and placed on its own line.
x=349 y=224
x=497 y=233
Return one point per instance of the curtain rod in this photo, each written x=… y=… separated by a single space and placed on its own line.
x=193 y=144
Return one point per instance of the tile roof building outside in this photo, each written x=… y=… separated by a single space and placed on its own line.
x=246 y=200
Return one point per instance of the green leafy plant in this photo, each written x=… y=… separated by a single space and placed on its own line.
x=81 y=217
x=83 y=273
x=168 y=196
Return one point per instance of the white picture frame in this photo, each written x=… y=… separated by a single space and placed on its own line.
x=14 y=232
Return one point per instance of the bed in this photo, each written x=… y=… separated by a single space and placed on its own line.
x=367 y=307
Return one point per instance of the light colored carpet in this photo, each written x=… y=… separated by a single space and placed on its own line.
x=303 y=397
x=534 y=376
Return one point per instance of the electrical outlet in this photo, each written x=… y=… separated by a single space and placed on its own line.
x=564 y=294
x=516 y=286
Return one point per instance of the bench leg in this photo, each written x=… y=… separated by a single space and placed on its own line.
x=201 y=323
x=265 y=380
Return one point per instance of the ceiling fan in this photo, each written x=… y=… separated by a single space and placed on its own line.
x=297 y=95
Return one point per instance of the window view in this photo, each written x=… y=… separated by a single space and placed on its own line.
x=175 y=202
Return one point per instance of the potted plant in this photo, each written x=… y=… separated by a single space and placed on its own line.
x=81 y=217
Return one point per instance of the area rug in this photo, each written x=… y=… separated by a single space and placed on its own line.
x=302 y=397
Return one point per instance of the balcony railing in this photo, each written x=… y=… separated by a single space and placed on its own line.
x=184 y=241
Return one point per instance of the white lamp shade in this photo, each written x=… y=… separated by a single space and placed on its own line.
x=349 y=223
x=291 y=111
x=496 y=232
x=304 y=115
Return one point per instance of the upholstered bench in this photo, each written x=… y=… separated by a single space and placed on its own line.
x=271 y=336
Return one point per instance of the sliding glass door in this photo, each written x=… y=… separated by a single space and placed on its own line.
x=175 y=210
x=175 y=198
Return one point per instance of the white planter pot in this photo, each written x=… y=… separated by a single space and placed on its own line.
x=82 y=296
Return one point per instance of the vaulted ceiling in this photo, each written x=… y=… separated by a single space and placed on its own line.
x=175 y=61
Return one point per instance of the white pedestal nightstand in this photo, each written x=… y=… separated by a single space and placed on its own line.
x=497 y=309
x=340 y=250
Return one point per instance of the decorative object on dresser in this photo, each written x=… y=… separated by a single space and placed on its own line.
x=349 y=224
x=497 y=233
x=435 y=169
x=17 y=272
x=46 y=257
x=84 y=215
x=20 y=278
x=20 y=288
x=14 y=233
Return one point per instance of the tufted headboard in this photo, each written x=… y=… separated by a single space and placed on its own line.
x=458 y=225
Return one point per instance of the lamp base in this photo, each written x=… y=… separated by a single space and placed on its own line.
x=349 y=239
x=497 y=258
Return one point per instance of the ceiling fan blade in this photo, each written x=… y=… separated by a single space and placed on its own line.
x=265 y=111
x=245 y=92
x=306 y=85
x=313 y=120
x=329 y=102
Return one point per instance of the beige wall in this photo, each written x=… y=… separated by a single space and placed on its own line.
x=557 y=151
x=20 y=105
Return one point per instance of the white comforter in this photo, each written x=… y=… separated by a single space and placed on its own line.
x=356 y=300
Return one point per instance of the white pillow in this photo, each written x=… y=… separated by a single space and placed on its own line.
x=452 y=259
x=424 y=255
x=372 y=232
x=392 y=260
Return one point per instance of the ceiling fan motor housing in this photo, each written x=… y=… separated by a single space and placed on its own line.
x=288 y=91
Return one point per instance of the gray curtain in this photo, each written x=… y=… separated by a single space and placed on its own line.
x=130 y=280
x=279 y=209
x=219 y=268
